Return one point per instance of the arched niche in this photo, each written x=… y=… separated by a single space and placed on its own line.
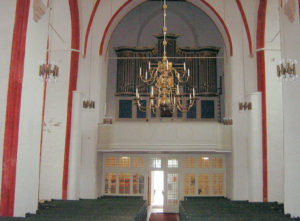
x=193 y=25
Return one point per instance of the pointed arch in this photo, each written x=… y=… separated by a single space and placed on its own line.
x=240 y=6
x=89 y=26
x=129 y=5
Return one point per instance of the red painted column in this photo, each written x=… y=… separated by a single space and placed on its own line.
x=13 y=107
x=72 y=87
x=299 y=9
x=261 y=86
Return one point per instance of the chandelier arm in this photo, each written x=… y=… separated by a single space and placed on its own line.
x=181 y=109
x=151 y=80
x=146 y=81
x=185 y=109
x=182 y=79
x=185 y=80
x=154 y=77
x=140 y=106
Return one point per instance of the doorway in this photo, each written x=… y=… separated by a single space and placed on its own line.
x=157 y=191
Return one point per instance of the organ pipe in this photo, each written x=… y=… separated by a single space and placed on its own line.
x=200 y=60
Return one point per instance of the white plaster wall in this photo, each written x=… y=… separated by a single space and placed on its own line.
x=255 y=157
x=90 y=175
x=291 y=108
x=89 y=170
x=75 y=148
x=237 y=94
x=242 y=81
x=274 y=105
x=7 y=14
x=56 y=105
x=249 y=62
x=183 y=136
x=249 y=70
x=27 y=175
x=92 y=84
x=88 y=185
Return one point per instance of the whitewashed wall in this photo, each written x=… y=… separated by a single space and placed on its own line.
x=7 y=14
x=240 y=79
x=75 y=148
x=27 y=175
x=254 y=153
x=291 y=108
x=249 y=63
x=92 y=84
x=56 y=105
x=274 y=105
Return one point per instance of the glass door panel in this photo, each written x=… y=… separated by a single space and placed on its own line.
x=171 y=192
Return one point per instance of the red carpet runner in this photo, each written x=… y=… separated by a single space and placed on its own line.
x=163 y=217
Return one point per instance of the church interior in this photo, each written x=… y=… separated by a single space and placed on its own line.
x=149 y=110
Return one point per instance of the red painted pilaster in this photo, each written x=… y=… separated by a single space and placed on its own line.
x=299 y=9
x=261 y=86
x=72 y=87
x=13 y=107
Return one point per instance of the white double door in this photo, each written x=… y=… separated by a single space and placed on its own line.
x=165 y=190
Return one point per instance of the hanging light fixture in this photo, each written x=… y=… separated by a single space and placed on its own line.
x=89 y=103
x=166 y=82
x=286 y=69
x=48 y=71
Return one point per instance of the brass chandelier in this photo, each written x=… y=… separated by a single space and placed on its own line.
x=47 y=71
x=286 y=69
x=165 y=82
